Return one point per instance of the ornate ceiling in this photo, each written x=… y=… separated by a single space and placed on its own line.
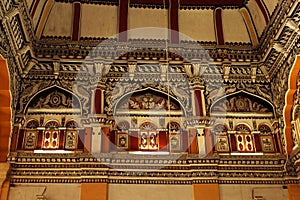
x=224 y=22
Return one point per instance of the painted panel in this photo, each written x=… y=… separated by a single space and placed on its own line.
x=99 y=20
x=50 y=191
x=62 y=13
x=238 y=192
x=149 y=192
x=271 y=4
x=145 y=18
x=234 y=27
x=257 y=17
x=197 y=25
x=37 y=13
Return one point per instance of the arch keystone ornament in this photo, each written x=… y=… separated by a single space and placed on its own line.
x=147 y=82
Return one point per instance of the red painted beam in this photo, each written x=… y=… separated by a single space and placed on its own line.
x=153 y=2
x=123 y=20
x=193 y=2
x=76 y=21
x=34 y=7
x=212 y=3
x=263 y=10
x=174 y=5
x=219 y=26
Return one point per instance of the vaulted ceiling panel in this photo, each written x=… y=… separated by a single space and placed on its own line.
x=257 y=16
x=234 y=27
x=99 y=20
x=271 y=5
x=61 y=12
x=36 y=11
x=197 y=25
x=147 y=17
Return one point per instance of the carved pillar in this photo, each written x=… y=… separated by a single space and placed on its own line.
x=197 y=86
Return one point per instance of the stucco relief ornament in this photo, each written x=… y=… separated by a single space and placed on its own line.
x=149 y=87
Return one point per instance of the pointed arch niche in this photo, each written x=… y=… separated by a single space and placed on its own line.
x=51 y=122
x=244 y=122
x=149 y=120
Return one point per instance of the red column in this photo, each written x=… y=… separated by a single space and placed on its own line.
x=87 y=140
x=208 y=141
x=123 y=20
x=98 y=101
x=219 y=26
x=163 y=145
x=105 y=140
x=76 y=21
x=14 y=139
x=193 y=141
x=198 y=103
x=174 y=7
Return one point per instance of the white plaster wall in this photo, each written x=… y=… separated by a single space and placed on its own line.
x=244 y=192
x=197 y=24
x=59 y=22
x=149 y=192
x=53 y=191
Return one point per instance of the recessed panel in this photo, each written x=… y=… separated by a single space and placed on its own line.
x=59 y=22
x=99 y=20
x=234 y=28
x=196 y=25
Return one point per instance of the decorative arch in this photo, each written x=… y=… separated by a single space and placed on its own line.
x=70 y=100
x=264 y=128
x=289 y=101
x=52 y=124
x=159 y=105
x=72 y=124
x=123 y=125
x=243 y=128
x=5 y=110
x=148 y=126
x=244 y=103
x=173 y=126
x=32 y=123
x=220 y=128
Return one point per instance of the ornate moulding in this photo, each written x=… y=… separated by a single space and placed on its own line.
x=147 y=169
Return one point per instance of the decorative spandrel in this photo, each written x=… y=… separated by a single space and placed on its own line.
x=148 y=103
x=54 y=100
x=242 y=103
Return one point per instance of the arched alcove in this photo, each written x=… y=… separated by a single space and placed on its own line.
x=54 y=100
x=149 y=102
x=242 y=103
